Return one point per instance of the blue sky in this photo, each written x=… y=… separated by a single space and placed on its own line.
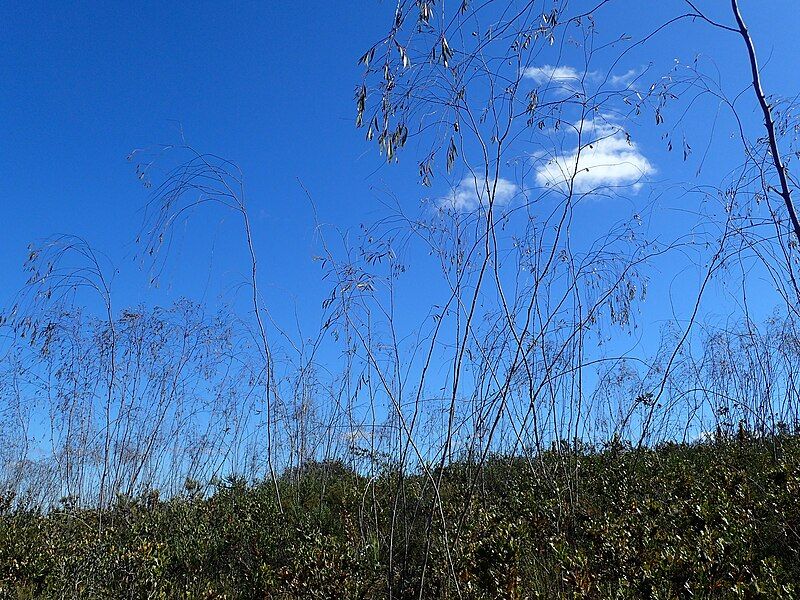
x=269 y=85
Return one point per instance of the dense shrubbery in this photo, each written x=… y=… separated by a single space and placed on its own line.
x=716 y=520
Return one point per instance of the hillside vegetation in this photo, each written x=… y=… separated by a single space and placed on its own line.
x=712 y=520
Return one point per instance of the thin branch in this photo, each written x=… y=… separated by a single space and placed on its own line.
x=769 y=123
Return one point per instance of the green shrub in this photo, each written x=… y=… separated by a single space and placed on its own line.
x=707 y=521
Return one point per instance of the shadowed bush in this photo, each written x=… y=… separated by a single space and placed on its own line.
x=714 y=520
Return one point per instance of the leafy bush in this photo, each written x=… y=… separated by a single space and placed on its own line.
x=717 y=520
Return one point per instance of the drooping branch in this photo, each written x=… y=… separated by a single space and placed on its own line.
x=769 y=123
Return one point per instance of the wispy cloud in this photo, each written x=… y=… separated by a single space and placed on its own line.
x=564 y=76
x=607 y=159
x=474 y=192
x=572 y=79
x=625 y=79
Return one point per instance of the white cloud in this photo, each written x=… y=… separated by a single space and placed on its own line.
x=572 y=79
x=565 y=76
x=625 y=78
x=606 y=159
x=474 y=192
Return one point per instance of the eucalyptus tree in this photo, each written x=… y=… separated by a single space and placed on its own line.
x=523 y=116
x=526 y=110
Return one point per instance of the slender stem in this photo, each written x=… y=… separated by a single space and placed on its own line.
x=769 y=122
x=267 y=353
